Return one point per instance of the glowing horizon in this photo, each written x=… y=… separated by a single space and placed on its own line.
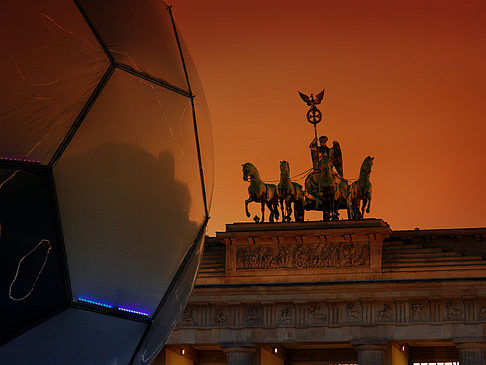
x=405 y=83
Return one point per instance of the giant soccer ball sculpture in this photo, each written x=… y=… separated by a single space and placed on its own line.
x=105 y=180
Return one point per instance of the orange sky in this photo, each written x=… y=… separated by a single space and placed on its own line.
x=405 y=82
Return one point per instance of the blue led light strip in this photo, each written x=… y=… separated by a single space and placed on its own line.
x=133 y=311
x=123 y=309
x=86 y=300
x=18 y=159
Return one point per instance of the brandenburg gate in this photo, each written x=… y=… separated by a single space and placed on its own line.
x=338 y=292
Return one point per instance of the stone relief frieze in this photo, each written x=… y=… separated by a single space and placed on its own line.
x=385 y=312
x=418 y=312
x=252 y=316
x=482 y=313
x=318 y=314
x=187 y=317
x=454 y=312
x=353 y=312
x=284 y=316
x=303 y=256
x=220 y=316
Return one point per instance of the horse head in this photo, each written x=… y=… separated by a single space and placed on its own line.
x=325 y=165
x=245 y=168
x=366 y=166
x=326 y=178
x=284 y=168
x=250 y=171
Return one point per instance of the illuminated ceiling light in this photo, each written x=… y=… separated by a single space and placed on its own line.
x=275 y=350
x=183 y=351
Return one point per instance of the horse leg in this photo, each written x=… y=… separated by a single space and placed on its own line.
x=274 y=206
x=354 y=208
x=263 y=210
x=299 y=210
x=288 y=203
x=249 y=200
x=368 y=196
x=325 y=210
x=364 y=201
x=335 y=214
x=271 y=214
x=282 y=207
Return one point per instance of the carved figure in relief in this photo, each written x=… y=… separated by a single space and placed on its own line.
x=258 y=191
x=290 y=192
x=418 y=311
x=453 y=312
x=353 y=312
x=252 y=315
x=284 y=315
x=385 y=313
x=482 y=313
x=220 y=317
x=304 y=256
x=187 y=316
x=359 y=196
x=318 y=315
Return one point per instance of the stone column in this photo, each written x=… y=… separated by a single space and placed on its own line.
x=472 y=353
x=239 y=354
x=371 y=354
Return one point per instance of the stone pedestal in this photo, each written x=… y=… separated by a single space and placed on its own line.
x=239 y=354
x=472 y=353
x=275 y=252
x=371 y=354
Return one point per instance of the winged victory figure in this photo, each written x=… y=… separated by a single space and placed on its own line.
x=334 y=153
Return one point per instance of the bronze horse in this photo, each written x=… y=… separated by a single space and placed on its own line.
x=290 y=192
x=326 y=190
x=360 y=191
x=260 y=192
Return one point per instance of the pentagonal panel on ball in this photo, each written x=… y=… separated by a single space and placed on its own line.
x=141 y=37
x=129 y=194
x=173 y=305
x=76 y=337
x=51 y=65
x=203 y=119
x=32 y=273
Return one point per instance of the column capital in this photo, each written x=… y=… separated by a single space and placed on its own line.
x=370 y=347
x=370 y=352
x=477 y=342
x=229 y=347
x=471 y=346
x=472 y=351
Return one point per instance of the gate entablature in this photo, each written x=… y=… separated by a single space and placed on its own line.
x=304 y=251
